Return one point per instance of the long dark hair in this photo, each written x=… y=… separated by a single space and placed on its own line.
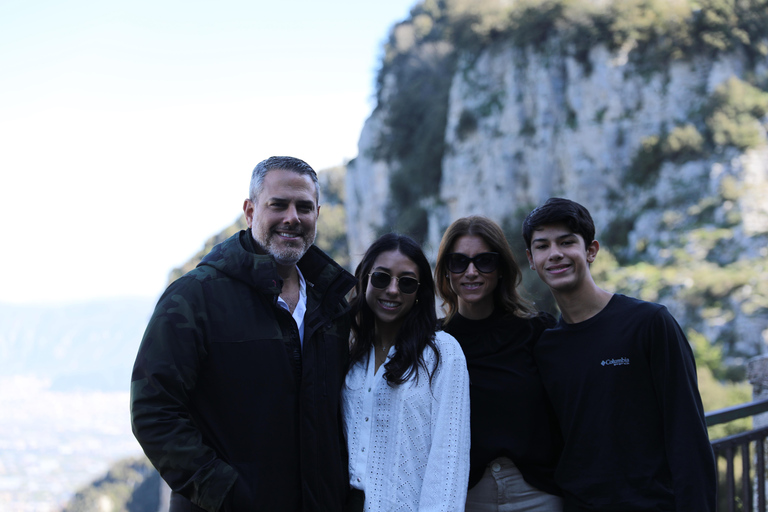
x=418 y=328
x=506 y=296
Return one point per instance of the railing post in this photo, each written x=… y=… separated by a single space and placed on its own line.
x=757 y=372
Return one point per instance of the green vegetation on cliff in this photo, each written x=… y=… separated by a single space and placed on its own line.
x=425 y=51
x=131 y=485
x=733 y=117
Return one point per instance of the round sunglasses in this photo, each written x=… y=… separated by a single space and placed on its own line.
x=485 y=262
x=405 y=284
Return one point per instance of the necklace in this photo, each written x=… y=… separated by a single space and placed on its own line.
x=385 y=350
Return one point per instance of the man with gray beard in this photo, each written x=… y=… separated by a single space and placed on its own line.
x=235 y=390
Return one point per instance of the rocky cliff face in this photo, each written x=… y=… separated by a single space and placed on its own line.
x=552 y=129
x=682 y=207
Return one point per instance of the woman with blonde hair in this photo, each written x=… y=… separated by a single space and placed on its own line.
x=515 y=438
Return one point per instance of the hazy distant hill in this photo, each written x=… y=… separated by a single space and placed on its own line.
x=90 y=345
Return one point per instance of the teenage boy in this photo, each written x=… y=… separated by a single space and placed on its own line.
x=622 y=378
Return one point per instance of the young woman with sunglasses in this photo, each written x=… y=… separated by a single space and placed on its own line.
x=515 y=438
x=406 y=398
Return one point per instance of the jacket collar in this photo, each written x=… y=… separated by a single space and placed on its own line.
x=237 y=258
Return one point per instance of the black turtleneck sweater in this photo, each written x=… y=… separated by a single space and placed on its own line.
x=511 y=415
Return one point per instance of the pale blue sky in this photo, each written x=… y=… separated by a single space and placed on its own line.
x=128 y=130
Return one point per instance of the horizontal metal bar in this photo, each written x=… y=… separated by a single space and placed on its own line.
x=741 y=438
x=736 y=412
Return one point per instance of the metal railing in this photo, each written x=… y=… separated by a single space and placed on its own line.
x=751 y=448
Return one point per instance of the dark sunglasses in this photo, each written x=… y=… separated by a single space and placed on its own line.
x=404 y=284
x=484 y=262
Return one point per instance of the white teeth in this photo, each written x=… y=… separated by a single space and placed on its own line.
x=472 y=286
x=388 y=304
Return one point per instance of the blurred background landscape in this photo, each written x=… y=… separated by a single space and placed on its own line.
x=651 y=113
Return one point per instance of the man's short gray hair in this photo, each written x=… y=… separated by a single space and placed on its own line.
x=287 y=163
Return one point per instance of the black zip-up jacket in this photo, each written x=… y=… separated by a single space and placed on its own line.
x=228 y=407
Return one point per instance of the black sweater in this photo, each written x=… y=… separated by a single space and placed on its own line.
x=510 y=413
x=623 y=384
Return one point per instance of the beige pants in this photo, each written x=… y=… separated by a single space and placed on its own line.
x=503 y=489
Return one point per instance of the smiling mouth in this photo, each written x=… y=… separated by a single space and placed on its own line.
x=472 y=286
x=559 y=269
x=388 y=304
x=288 y=236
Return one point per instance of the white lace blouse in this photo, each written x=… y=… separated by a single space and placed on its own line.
x=409 y=444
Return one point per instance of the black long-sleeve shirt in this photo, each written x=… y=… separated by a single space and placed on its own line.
x=623 y=384
x=510 y=413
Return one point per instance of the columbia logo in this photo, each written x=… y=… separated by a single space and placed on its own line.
x=615 y=362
